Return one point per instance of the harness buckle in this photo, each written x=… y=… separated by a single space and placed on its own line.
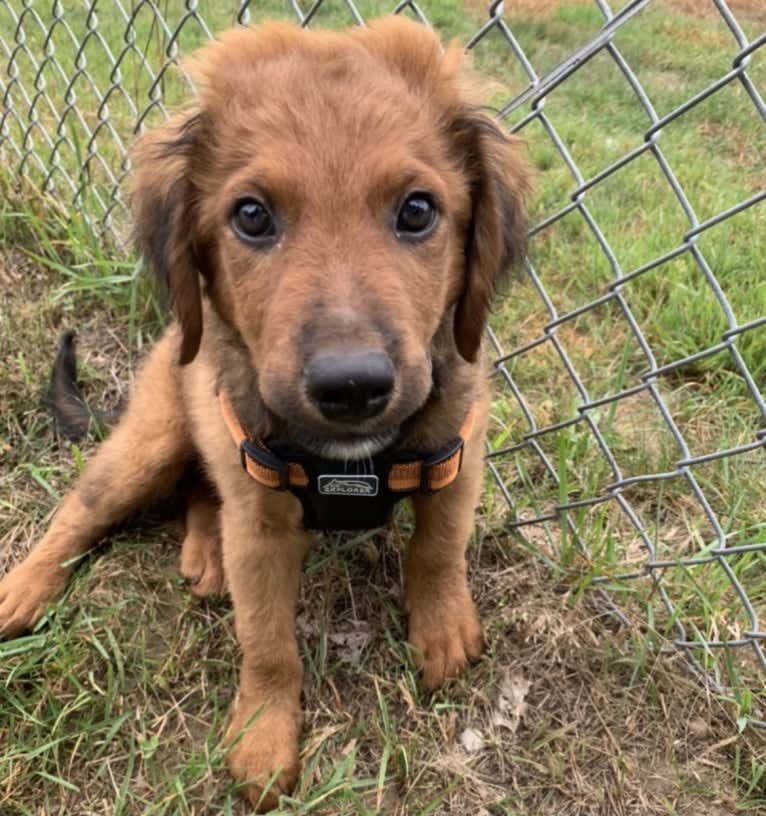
x=456 y=446
x=266 y=459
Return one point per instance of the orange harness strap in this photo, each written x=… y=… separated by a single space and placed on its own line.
x=262 y=473
x=403 y=477
x=406 y=476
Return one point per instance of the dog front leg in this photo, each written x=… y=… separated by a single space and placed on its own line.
x=263 y=548
x=444 y=626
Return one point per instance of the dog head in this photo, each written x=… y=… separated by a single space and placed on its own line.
x=337 y=197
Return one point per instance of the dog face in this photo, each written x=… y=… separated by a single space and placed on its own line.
x=339 y=198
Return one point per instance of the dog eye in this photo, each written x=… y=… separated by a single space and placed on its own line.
x=416 y=218
x=252 y=221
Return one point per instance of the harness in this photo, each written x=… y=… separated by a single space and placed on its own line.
x=356 y=495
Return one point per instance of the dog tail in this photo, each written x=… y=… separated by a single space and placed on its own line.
x=71 y=413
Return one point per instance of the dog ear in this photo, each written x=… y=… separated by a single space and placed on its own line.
x=162 y=199
x=496 y=235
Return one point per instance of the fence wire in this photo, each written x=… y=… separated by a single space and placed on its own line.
x=78 y=79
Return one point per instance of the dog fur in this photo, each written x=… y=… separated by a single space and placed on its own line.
x=332 y=129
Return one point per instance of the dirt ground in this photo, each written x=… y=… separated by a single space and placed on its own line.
x=754 y=10
x=562 y=716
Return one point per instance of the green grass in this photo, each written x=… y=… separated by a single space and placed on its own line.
x=121 y=696
x=599 y=118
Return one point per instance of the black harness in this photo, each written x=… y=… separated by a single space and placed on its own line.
x=356 y=495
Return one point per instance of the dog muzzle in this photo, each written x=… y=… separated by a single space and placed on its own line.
x=356 y=495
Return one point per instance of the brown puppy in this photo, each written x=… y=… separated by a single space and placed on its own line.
x=331 y=219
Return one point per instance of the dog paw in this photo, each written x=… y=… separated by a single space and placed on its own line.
x=202 y=566
x=24 y=593
x=264 y=755
x=446 y=634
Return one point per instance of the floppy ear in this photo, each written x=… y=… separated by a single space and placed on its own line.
x=496 y=236
x=162 y=199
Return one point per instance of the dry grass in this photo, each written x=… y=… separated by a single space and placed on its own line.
x=118 y=705
x=129 y=689
x=753 y=10
x=537 y=8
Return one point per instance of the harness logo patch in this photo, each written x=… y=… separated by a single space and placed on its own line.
x=347 y=485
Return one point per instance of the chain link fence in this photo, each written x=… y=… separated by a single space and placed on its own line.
x=598 y=454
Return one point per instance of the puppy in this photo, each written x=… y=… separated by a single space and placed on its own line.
x=331 y=217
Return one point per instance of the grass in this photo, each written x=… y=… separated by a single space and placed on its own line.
x=117 y=703
x=676 y=309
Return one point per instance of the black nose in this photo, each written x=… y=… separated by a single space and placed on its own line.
x=351 y=386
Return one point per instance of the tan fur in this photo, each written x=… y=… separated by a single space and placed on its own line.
x=332 y=129
x=201 y=559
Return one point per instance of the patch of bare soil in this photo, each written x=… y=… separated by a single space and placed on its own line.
x=754 y=10
x=540 y=8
